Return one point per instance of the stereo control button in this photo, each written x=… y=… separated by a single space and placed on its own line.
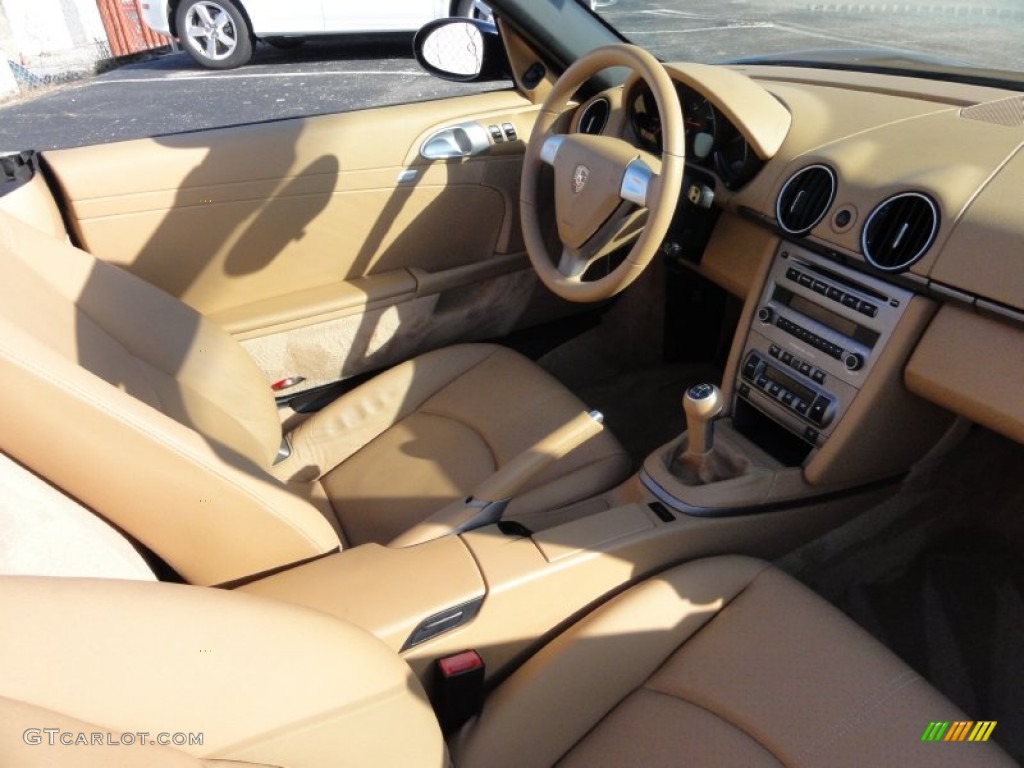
x=775 y=350
x=818 y=409
x=788 y=398
x=851 y=301
x=867 y=308
x=811 y=434
x=805 y=369
x=762 y=382
x=818 y=375
x=805 y=280
x=819 y=287
x=834 y=293
x=750 y=367
x=793 y=274
x=801 y=407
x=774 y=389
x=787 y=358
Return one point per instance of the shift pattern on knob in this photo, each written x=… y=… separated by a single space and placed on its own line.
x=701 y=391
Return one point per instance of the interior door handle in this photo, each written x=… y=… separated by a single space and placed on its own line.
x=462 y=140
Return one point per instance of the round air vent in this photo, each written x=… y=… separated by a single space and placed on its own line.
x=899 y=231
x=595 y=116
x=805 y=199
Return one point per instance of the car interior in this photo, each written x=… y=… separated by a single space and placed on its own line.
x=629 y=413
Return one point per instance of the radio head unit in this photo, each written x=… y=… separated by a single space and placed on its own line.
x=817 y=332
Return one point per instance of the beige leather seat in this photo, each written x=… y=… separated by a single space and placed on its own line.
x=720 y=662
x=158 y=420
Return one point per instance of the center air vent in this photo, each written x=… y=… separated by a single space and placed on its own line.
x=595 y=116
x=805 y=199
x=899 y=231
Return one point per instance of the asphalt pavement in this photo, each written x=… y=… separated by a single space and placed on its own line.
x=170 y=94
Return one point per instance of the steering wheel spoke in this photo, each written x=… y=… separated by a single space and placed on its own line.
x=573 y=263
x=638 y=182
x=549 y=150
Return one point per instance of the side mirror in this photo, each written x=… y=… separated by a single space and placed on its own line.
x=463 y=50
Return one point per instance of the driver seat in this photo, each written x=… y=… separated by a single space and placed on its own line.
x=158 y=420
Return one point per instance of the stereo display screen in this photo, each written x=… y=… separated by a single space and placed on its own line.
x=824 y=316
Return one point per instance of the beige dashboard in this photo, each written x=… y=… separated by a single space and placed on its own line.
x=953 y=147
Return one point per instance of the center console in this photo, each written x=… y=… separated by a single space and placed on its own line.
x=814 y=393
x=819 y=331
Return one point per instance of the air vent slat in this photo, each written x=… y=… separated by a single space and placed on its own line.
x=899 y=231
x=805 y=199
x=595 y=116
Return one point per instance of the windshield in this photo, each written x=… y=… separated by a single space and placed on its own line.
x=962 y=38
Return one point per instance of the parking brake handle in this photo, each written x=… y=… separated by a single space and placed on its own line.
x=488 y=502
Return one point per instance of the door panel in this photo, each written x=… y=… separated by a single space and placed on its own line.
x=327 y=244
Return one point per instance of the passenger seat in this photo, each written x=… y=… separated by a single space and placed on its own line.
x=719 y=662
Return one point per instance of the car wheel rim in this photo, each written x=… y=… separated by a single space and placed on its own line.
x=211 y=31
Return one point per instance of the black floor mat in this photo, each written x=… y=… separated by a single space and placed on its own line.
x=956 y=614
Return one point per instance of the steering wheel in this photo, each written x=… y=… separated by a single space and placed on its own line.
x=607 y=192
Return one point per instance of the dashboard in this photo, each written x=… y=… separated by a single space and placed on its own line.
x=869 y=187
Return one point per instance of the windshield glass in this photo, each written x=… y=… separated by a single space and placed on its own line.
x=937 y=36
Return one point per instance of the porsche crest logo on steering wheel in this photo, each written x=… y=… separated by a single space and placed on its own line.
x=579 y=178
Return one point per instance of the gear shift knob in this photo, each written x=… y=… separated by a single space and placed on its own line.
x=702 y=404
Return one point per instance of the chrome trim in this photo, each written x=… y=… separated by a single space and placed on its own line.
x=599 y=101
x=407 y=176
x=824 y=211
x=284 y=451
x=870 y=258
x=462 y=140
x=636 y=182
x=550 y=148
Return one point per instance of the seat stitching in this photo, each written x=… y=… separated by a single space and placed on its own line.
x=424 y=406
x=718 y=715
x=765 y=566
x=414 y=409
x=483 y=438
x=830 y=735
x=139 y=363
x=864 y=709
x=378 y=437
x=491 y=353
x=180 y=451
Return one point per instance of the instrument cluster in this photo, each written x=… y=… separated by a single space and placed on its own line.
x=712 y=141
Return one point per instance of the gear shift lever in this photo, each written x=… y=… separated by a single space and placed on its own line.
x=702 y=404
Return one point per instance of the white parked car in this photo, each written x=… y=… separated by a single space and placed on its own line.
x=220 y=34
